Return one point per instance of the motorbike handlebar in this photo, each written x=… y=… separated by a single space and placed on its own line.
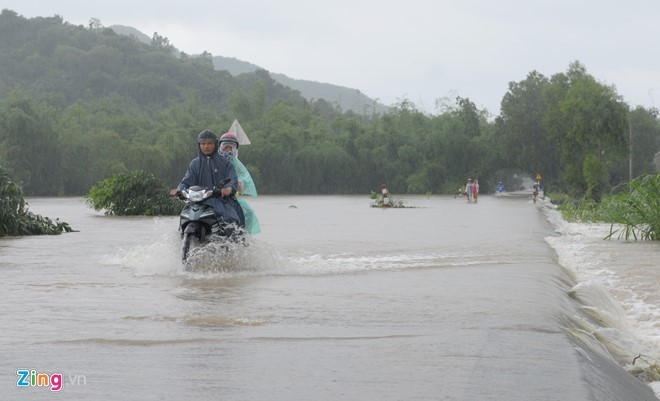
x=216 y=192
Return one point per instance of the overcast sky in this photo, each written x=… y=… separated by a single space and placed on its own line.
x=419 y=50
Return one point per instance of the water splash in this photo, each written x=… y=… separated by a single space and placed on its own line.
x=220 y=259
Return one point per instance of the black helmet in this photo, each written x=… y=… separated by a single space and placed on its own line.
x=207 y=134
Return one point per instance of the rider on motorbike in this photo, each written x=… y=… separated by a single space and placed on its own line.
x=208 y=170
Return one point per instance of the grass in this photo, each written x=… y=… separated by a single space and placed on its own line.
x=633 y=214
x=650 y=372
x=637 y=211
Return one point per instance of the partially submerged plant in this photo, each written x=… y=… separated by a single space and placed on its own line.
x=633 y=214
x=134 y=194
x=394 y=203
x=15 y=219
x=648 y=373
x=638 y=211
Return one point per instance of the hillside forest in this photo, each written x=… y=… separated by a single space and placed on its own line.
x=79 y=104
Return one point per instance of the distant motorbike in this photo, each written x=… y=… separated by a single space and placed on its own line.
x=198 y=220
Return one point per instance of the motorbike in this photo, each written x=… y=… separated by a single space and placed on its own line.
x=198 y=220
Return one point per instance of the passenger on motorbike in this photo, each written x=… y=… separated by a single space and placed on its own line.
x=229 y=149
x=208 y=170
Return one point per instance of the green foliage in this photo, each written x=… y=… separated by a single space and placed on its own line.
x=638 y=210
x=595 y=175
x=80 y=104
x=393 y=203
x=585 y=118
x=633 y=214
x=15 y=219
x=580 y=210
x=30 y=140
x=136 y=193
x=559 y=198
x=525 y=140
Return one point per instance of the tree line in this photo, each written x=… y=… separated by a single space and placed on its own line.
x=81 y=104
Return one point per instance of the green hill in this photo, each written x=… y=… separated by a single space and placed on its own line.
x=340 y=96
x=343 y=98
x=130 y=31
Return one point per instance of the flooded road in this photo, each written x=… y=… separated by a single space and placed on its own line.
x=333 y=300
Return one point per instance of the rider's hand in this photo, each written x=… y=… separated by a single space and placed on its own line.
x=174 y=192
x=222 y=192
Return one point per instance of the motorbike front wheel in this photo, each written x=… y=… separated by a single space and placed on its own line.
x=187 y=239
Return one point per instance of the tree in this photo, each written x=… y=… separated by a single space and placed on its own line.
x=95 y=23
x=469 y=115
x=587 y=117
x=31 y=143
x=161 y=42
x=524 y=140
x=644 y=131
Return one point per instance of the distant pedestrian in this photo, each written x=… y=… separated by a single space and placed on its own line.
x=469 y=190
x=475 y=190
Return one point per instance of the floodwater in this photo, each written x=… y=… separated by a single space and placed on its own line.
x=334 y=300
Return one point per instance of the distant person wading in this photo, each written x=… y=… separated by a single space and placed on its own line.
x=469 y=190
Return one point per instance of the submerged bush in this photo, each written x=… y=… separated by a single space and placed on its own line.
x=15 y=219
x=134 y=194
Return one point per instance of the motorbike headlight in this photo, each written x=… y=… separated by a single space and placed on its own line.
x=196 y=196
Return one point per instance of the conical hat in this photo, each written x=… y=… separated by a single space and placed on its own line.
x=237 y=130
